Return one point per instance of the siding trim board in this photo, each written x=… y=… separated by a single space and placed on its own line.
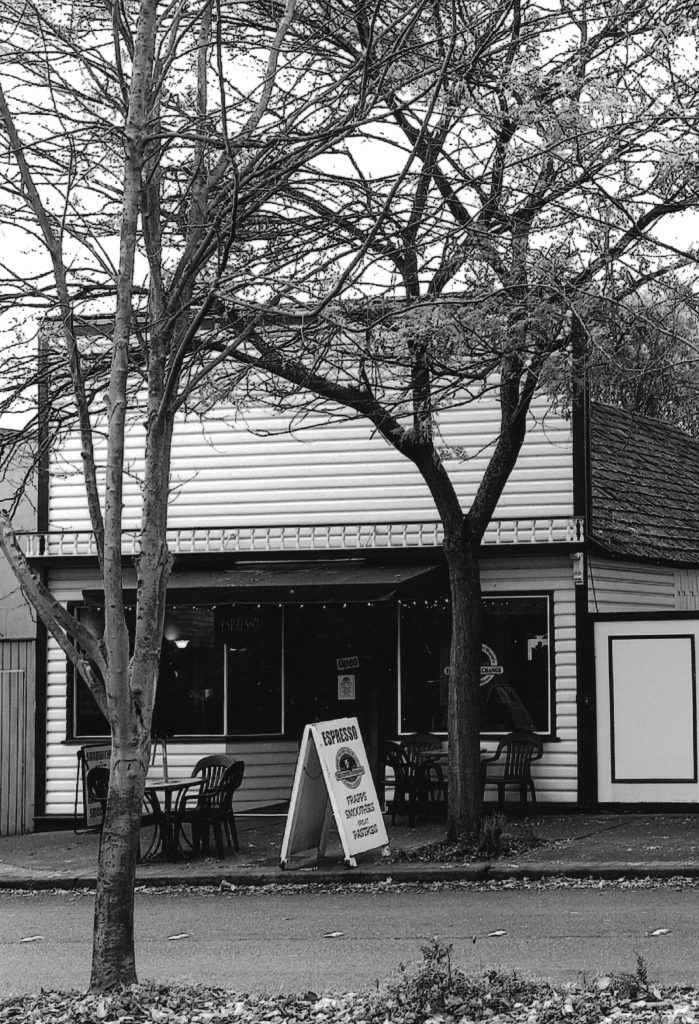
x=40 y=715
x=280 y=538
x=585 y=701
x=659 y=616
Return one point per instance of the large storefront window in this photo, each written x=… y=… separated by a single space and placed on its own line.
x=516 y=665
x=220 y=673
x=190 y=695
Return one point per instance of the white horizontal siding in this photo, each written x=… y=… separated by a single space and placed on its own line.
x=556 y=774
x=269 y=771
x=630 y=587
x=687 y=589
x=257 y=471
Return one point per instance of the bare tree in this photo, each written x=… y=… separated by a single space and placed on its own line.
x=151 y=151
x=540 y=165
x=394 y=205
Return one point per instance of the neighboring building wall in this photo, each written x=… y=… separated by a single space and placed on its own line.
x=226 y=474
x=615 y=586
x=17 y=620
x=17 y=694
x=17 y=673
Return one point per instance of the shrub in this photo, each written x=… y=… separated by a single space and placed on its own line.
x=490 y=838
x=433 y=986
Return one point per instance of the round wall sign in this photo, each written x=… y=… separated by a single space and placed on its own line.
x=490 y=668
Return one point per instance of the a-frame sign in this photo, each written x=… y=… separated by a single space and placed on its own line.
x=333 y=777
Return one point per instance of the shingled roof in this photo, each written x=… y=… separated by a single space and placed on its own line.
x=645 y=487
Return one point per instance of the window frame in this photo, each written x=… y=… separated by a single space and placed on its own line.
x=73 y=736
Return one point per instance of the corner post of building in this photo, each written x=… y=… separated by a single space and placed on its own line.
x=582 y=505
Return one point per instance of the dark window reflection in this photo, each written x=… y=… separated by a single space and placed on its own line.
x=206 y=665
x=189 y=699
x=254 y=669
x=515 y=691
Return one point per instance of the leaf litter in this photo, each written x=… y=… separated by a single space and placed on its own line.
x=419 y=993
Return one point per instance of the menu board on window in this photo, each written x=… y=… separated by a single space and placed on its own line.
x=333 y=780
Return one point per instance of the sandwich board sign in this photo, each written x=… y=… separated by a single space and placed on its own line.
x=333 y=780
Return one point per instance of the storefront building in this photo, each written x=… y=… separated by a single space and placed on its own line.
x=309 y=583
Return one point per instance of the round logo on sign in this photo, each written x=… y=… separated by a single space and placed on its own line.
x=348 y=768
x=490 y=667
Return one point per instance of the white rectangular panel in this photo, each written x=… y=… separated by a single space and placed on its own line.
x=652 y=708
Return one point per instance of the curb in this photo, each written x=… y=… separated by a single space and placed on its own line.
x=368 y=874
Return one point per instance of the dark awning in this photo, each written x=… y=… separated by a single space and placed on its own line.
x=346 y=580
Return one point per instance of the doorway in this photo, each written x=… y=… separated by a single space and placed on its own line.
x=340 y=662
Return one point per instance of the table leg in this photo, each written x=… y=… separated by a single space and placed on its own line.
x=170 y=849
x=153 y=811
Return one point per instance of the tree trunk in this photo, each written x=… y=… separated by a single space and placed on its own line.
x=113 y=954
x=465 y=791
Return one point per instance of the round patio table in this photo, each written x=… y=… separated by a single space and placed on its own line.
x=166 y=846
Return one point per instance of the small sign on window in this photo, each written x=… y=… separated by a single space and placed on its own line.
x=346 y=687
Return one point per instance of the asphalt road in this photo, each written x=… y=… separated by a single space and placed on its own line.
x=293 y=942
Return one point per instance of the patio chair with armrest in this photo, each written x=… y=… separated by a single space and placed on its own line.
x=405 y=792
x=211 y=809
x=512 y=763
x=413 y=782
x=430 y=774
x=211 y=769
x=97 y=788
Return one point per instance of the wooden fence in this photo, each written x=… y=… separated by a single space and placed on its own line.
x=17 y=689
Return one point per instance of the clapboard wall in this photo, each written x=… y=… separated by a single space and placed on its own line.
x=260 y=469
x=616 y=586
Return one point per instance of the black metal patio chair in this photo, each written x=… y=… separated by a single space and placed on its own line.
x=211 y=808
x=430 y=775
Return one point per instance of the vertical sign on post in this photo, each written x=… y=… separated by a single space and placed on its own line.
x=332 y=774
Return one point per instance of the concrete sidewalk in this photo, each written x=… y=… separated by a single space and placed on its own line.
x=598 y=845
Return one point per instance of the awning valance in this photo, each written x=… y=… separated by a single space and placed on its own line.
x=346 y=580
